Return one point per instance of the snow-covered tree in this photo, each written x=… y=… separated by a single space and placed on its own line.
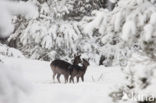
x=96 y=33
x=10 y=9
x=50 y=33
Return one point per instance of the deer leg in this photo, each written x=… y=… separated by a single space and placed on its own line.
x=54 y=76
x=77 y=79
x=82 y=78
x=66 y=78
x=71 y=79
x=58 y=78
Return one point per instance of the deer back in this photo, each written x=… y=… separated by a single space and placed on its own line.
x=60 y=66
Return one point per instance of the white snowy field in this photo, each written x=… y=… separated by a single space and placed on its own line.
x=99 y=83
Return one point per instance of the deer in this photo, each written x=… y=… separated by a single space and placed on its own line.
x=79 y=71
x=61 y=67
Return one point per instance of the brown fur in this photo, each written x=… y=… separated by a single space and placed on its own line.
x=77 y=59
x=60 y=67
x=79 y=71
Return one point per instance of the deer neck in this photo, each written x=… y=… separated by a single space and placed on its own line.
x=75 y=62
x=85 y=67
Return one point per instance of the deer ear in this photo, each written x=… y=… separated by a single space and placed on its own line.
x=79 y=55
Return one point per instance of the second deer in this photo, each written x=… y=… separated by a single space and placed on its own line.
x=79 y=71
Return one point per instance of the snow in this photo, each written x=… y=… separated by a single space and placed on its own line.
x=99 y=83
x=148 y=31
x=12 y=85
x=95 y=23
x=26 y=9
x=35 y=79
x=128 y=30
x=47 y=42
x=8 y=9
x=152 y=19
x=118 y=21
x=5 y=26
x=142 y=67
x=113 y=1
x=10 y=52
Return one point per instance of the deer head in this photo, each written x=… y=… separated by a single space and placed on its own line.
x=77 y=59
x=85 y=63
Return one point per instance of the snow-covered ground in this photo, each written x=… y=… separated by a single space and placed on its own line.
x=99 y=83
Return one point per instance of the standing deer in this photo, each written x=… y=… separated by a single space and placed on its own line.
x=62 y=67
x=79 y=71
